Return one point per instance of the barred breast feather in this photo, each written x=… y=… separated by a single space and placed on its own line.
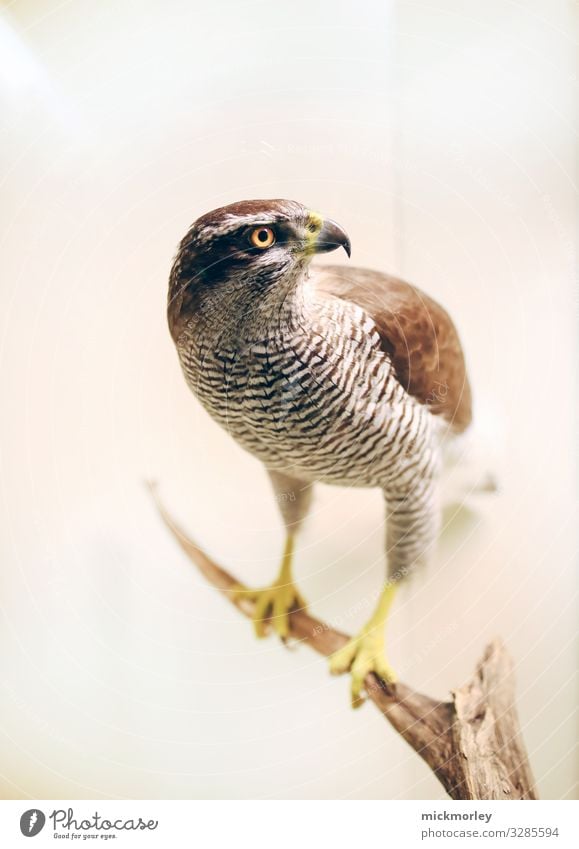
x=310 y=390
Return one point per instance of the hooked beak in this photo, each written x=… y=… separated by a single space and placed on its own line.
x=329 y=237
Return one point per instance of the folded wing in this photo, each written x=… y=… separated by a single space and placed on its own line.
x=416 y=333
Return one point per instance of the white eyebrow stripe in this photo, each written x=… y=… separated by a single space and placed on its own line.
x=230 y=223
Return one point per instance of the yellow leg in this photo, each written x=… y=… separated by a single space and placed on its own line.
x=274 y=604
x=365 y=653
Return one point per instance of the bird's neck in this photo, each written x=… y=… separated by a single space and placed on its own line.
x=239 y=311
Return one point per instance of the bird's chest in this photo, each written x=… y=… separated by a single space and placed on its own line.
x=294 y=397
x=267 y=389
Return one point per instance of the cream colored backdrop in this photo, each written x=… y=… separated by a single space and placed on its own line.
x=440 y=135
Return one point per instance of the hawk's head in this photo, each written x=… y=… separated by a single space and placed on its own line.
x=252 y=243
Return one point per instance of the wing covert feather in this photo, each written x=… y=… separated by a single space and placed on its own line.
x=417 y=334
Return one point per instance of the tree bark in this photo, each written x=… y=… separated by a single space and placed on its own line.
x=471 y=742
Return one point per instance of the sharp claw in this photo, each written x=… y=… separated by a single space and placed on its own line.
x=386 y=675
x=273 y=606
x=382 y=670
x=361 y=655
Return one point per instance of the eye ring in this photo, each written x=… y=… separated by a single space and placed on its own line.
x=262 y=237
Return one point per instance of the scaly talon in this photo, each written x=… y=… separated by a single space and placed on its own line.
x=361 y=655
x=364 y=653
x=273 y=605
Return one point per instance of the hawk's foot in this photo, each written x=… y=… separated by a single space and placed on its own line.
x=273 y=606
x=362 y=654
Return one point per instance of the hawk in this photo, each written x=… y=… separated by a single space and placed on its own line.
x=325 y=373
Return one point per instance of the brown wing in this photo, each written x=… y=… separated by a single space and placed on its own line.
x=415 y=331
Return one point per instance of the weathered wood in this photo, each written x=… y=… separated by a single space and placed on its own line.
x=472 y=742
x=486 y=734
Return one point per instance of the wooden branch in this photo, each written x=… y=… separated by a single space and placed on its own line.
x=472 y=743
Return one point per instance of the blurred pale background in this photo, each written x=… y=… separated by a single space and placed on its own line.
x=440 y=135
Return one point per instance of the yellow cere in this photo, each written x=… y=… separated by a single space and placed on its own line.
x=313 y=227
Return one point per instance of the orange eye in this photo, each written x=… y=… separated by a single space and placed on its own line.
x=262 y=237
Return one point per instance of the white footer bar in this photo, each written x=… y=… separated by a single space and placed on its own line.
x=287 y=824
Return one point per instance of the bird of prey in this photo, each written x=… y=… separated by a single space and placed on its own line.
x=325 y=373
